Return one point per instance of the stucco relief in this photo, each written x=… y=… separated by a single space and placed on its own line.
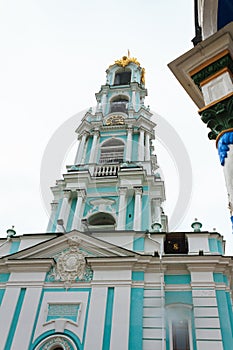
x=71 y=265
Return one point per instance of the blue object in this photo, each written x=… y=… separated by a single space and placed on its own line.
x=225 y=140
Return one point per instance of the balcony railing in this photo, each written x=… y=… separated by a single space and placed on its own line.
x=106 y=170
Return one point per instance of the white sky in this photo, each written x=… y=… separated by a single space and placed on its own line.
x=54 y=54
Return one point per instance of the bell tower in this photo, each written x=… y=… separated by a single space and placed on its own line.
x=113 y=185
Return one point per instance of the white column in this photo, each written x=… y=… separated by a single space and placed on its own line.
x=138 y=209
x=64 y=209
x=81 y=195
x=141 y=145
x=147 y=150
x=122 y=208
x=79 y=156
x=228 y=173
x=54 y=206
x=93 y=147
x=129 y=144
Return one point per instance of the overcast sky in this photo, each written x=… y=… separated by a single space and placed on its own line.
x=54 y=54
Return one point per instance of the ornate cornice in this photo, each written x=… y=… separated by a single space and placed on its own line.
x=218 y=117
x=223 y=62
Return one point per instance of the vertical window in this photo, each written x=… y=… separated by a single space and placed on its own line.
x=122 y=78
x=119 y=104
x=180 y=335
x=112 y=151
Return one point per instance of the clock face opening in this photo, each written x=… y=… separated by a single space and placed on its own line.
x=176 y=243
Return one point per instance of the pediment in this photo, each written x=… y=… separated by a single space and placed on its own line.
x=90 y=246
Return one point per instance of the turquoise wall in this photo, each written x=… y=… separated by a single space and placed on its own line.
x=130 y=213
x=88 y=149
x=71 y=214
x=225 y=319
x=136 y=319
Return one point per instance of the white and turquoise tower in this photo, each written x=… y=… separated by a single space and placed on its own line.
x=114 y=184
x=107 y=274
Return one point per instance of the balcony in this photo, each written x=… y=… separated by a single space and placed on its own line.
x=106 y=170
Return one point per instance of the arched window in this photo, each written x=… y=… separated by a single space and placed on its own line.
x=57 y=342
x=112 y=151
x=179 y=318
x=122 y=77
x=119 y=104
x=101 y=219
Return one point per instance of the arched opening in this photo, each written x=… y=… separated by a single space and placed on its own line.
x=112 y=151
x=122 y=77
x=101 y=219
x=179 y=318
x=56 y=342
x=119 y=104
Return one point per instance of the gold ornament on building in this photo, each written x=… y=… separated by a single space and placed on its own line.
x=115 y=120
x=126 y=60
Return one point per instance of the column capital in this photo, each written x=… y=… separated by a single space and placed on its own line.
x=54 y=205
x=122 y=190
x=138 y=190
x=66 y=193
x=81 y=192
x=95 y=132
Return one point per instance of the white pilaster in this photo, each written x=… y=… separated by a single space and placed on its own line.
x=54 y=206
x=81 y=195
x=147 y=148
x=156 y=211
x=103 y=102
x=205 y=305
x=122 y=208
x=64 y=209
x=26 y=319
x=80 y=153
x=129 y=144
x=93 y=148
x=120 y=319
x=95 y=325
x=141 y=145
x=134 y=99
x=7 y=311
x=138 y=209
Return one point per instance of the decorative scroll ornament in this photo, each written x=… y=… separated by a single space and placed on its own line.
x=71 y=265
x=218 y=117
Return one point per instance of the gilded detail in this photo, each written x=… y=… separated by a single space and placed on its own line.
x=127 y=60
